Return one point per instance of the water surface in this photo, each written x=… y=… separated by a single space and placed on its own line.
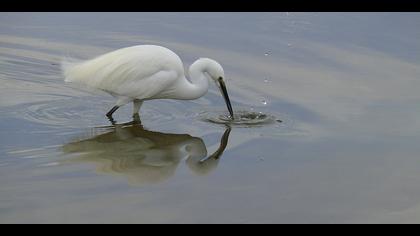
x=344 y=85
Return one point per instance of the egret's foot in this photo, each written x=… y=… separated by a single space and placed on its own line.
x=109 y=114
x=136 y=119
x=111 y=119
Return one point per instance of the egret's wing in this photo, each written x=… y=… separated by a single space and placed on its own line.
x=128 y=73
x=158 y=85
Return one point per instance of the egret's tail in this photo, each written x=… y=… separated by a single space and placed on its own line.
x=69 y=68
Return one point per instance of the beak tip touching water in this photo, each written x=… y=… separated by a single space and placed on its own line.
x=226 y=96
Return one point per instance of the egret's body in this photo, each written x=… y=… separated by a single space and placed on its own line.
x=145 y=72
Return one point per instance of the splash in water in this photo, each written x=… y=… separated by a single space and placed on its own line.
x=247 y=118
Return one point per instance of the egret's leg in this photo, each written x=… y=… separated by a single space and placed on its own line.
x=120 y=102
x=136 y=105
x=110 y=112
x=136 y=108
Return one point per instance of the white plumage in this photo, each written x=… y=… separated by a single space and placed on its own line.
x=144 y=72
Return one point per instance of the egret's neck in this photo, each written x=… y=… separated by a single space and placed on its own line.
x=199 y=82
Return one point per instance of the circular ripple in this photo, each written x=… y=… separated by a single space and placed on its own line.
x=241 y=118
x=71 y=113
x=90 y=112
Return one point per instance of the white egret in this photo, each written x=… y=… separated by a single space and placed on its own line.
x=144 y=72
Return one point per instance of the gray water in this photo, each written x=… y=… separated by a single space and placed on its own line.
x=345 y=86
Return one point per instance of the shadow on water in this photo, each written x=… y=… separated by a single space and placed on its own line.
x=144 y=156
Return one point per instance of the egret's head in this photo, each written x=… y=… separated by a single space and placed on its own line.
x=216 y=73
x=213 y=69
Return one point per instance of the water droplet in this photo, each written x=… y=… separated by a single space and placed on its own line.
x=261 y=158
x=252 y=108
x=289 y=44
x=266 y=80
x=267 y=53
x=264 y=102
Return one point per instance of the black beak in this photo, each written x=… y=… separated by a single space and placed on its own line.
x=226 y=96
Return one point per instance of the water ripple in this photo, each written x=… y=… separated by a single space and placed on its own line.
x=242 y=118
x=71 y=112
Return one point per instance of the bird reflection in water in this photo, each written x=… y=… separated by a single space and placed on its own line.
x=144 y=156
